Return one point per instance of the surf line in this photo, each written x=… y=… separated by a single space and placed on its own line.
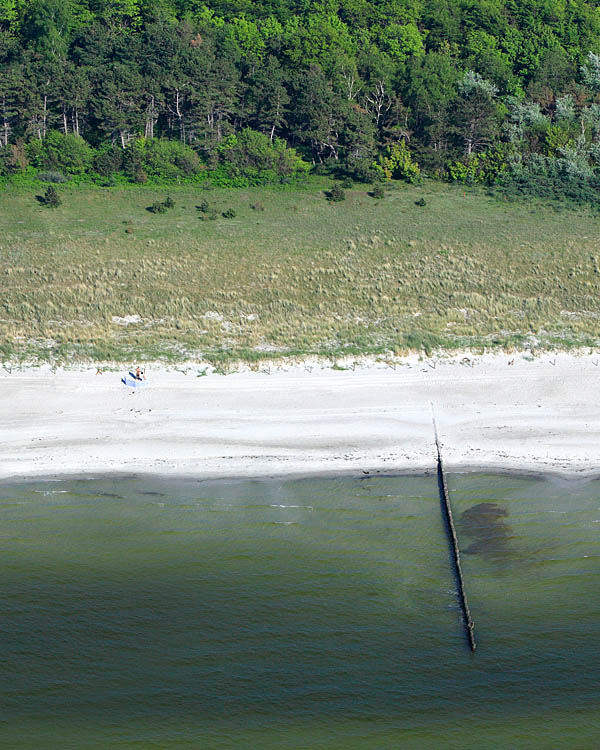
x=453 y=539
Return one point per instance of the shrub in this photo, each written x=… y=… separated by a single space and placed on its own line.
x=167 y=158
x=159 y=158
x=132 y=162
x=158 y=207
x=51 y=197
x=35 y=153
x=203 y=207
x=378 y=191
x=336 y=194
x=252 y=154
x=161 y=207
x=108 y=160
x=13 y=158
x=229 y=214
x=347 y=183
x=56 y=177
x=397 y=163
x=486 y=167
x=550 y=178
x=188 y=163
x=421 y=202
x=61 y=151
x=366 y=170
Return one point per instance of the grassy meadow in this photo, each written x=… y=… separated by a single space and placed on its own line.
x=102 y=278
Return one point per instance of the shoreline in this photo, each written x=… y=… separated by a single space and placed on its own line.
x=550 y=474
x=517 y=473
x=538 y=416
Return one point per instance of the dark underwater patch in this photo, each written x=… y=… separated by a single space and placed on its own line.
x=489 y=534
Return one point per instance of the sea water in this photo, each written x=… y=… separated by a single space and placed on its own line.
x=313 y=613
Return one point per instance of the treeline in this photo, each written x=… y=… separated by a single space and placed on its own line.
x=496 y=91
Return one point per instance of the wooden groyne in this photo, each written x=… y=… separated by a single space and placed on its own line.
x=453 y=539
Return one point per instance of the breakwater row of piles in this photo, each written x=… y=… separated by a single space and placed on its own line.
x=453 y=541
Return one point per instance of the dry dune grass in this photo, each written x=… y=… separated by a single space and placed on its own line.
x=102 y=278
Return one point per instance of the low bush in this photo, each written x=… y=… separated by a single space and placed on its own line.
x=63 y=152
x=51 y=197
x=108 y=160
x=56 y=177
x=161 y=207
x=229 y=214
x=485 y=168
x=397 y=163
x=336 y=194
x=253 y=156
x=13 y=158
x=549 y=178
x=158 y=158
x=158 y=207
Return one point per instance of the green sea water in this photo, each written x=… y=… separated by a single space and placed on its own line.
x=314 y=613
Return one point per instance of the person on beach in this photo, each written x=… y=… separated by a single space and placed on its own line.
x=139 y=373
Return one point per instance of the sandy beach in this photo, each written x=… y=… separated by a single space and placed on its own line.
x=537 y=415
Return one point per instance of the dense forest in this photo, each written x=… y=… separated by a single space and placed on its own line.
x=494 y=91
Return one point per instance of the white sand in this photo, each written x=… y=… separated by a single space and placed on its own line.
x=532 y=416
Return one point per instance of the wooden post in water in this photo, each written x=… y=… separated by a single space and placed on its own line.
x=451 y=529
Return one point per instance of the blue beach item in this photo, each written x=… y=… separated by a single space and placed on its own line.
x=133 y=382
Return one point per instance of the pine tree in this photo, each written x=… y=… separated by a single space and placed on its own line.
x=51 y=197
